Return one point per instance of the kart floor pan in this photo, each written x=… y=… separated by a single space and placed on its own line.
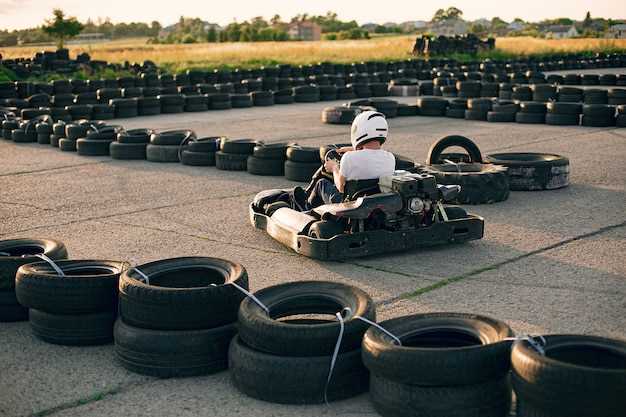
x=371 y=242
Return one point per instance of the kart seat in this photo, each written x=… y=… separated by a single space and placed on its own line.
x=362 y=207
x=354 y=189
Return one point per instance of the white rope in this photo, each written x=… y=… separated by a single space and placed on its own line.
x=378 y=326
x=248 y=294
x=5 y=254
x=335 y=354
x=539 y=346
x=54 y=266
x=141 y=274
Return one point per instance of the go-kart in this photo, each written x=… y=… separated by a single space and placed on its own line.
x=390 y=214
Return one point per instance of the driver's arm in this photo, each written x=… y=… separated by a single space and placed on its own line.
x=338 y=179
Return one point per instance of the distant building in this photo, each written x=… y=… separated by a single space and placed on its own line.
x=561 y=32
x=450 y=27
x=516 y=26
x=305 y=31
x=617 y=32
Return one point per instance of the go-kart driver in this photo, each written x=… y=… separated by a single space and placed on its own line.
x=363 y=161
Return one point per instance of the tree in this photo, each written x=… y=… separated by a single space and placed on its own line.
x=448 y=14
x=588 y=21
x=211 y=35
x=61 y=28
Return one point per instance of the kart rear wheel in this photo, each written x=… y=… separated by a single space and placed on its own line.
x=325 y=229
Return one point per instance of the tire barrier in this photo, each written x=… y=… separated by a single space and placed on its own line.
x=177 y=316
x=301 y=163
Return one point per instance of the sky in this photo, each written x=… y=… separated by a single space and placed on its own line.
x=18 y=14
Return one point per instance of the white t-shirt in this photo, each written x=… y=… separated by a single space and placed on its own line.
x=367 y=164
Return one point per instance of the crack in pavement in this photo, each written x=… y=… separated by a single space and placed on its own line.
x=11 y=203
x=448 y=281
x=144 y=210
x=37 y=171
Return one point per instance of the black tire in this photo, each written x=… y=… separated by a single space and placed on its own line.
x=578 y=376
x=54 y=141
x=180 y=295
x=476 y=115
x=588 y=121
x=495 y=117
x=67 y=145
x=73 y=330
x=265 y=166
x=439 y=349
x=325 y=229
x=564 y=108
x=127 y=151
x=231 y=161
x=135 y=136
x=267 y=334
x=173 y=353
x=87 y=287
x=436 y=149
x=295 y=380
x=530 y=118
x=43 y=138
x=162 y=153
x=340 y=115
x=93 y=147
x=533 y=171
x=455 y=212
x=455 y=113
x=407 y=110
x=308 y=154
x=480 y=183
x=10 y=309
x=16 y=248
x=300 y=171
x=206 y=145
x=172 y=137
x=270 y=151
x=620 y=120
x=20 y=136
x=558 y=119
x=238 y=146
x=394 y=399
x=191 y=158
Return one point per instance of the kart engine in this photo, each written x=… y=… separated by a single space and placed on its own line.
x=419 y=194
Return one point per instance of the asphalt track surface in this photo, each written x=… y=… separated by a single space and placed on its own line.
x=550 y=262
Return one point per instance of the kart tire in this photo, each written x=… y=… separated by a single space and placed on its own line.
x=530 y=118
x=72 y=329
x=434 y=153
x=87 y=287
x=259 y=166
x=265 y=333
x=127 y=151
x=93 y=147
x=162 y=153
x=231 y=161
x=9 y=265
x=295 y=380
x=180 y=295
x=395 y=399
x=325 y=229
x=496 y=117
x=173 y=353
x=192 y=158
x=309 y=154
x=439 y=349
x=533 y=171
x=480 y=183
x=559 y=119
x=10 y=309
x=300 y=171
x=578 y=376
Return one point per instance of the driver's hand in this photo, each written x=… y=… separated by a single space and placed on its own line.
x=344 y=149
x=331 y=166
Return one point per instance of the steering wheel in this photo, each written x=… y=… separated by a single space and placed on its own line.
x=331 y=155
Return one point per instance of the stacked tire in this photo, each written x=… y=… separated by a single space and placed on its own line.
x=563 y=113
x=77 y=308
x=130 y=144
x=171 y=103
x=165 y=146
x=267 y=159
x=73 y=132
x=432 y=106
x=199 y=151
x=597 y=115
x=340 y=115
x=13 y=254
x=456 y=108
x=180 y=321
x=97 y=141
x=306 y=94
x=575 y=376
x=478 y=108
x=448 y=364
x=281 y=357
x=503 y=111
x=125 y=107
x=301 y=163
x=533 y=171
x=531 y=112
x=620 y=120
x=233 y=154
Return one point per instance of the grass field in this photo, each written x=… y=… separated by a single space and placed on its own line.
x=208 y=55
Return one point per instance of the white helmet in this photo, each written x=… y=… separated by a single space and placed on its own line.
x=367 y=126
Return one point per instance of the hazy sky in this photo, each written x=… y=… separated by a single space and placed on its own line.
x=16 y=14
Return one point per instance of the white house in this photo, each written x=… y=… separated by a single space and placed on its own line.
x=561 y=32
x=617 y=32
